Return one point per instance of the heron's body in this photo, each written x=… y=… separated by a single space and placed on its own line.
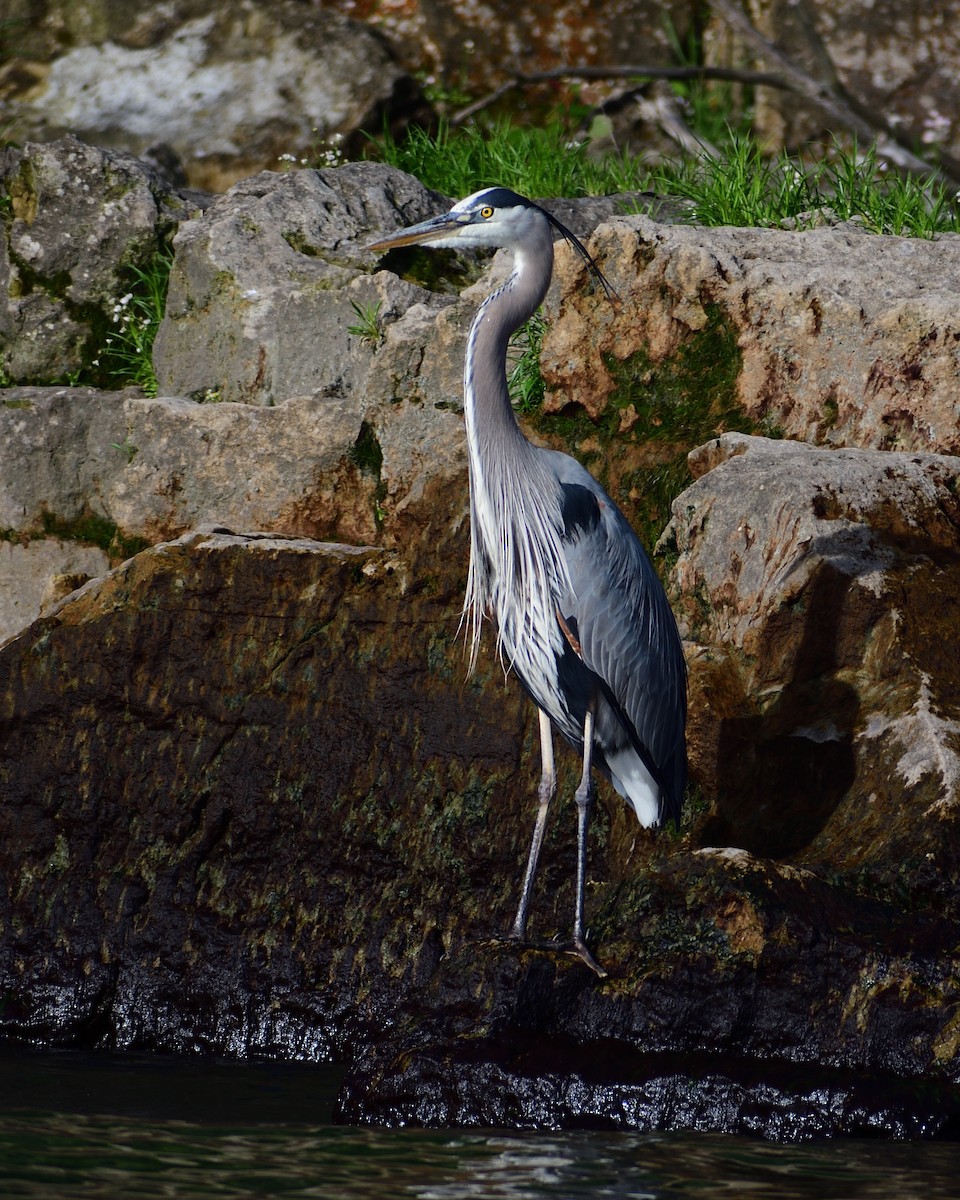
x=581 y=615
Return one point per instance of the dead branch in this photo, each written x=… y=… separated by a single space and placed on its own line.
x=827 y=98
x=527 y=78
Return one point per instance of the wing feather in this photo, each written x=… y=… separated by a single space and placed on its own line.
x=626 y=629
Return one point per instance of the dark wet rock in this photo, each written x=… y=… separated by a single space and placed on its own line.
x=252 y=807
x=182 y=878
x=526 y=1082
x=744 y=997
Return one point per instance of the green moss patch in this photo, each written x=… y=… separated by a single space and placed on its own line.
x=94 y=530
x=656 y=414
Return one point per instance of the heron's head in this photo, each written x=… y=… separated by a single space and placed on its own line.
x=492 y=217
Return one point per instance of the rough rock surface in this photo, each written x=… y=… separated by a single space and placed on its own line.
x=265 y=284
x=822 y=586
x=114 y=471
x=60 y=449
x=75 y=220
x=228 y=87
x=34 y=574
x=226 y=640
x=106 y=68
x=831 y=335
x=164 y=728
x=769 y=997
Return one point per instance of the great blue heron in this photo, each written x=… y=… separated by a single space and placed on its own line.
x=581 y=615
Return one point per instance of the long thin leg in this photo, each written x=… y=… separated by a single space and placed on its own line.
x=584 y=799
x=546 y=792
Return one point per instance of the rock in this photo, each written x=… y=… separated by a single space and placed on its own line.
x=898 y=62
x=265 y=284
x=78 y=219
x=230 y=87
x=164 y=904
x=35 y=575
x=825 y=581
x=165 y=727
x=829 y=335
x=118 y=471
x=189 y=659
x=294 y=469
x=60 y=451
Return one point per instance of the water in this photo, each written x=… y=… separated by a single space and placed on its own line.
x=118 y=1127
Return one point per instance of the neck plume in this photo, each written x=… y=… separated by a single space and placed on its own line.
x=515 y=505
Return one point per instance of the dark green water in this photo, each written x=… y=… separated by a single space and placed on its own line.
x=119 y=1127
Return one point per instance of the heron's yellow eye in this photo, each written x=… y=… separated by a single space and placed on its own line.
x=486 y=212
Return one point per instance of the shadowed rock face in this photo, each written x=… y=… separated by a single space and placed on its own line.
x=252 y=807
x=831 y=580
x=252 y=802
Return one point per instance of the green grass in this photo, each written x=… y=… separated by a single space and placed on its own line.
x=741 y=186
x=535 y=161
x=747 y=189
x=367 y=327
x=126 y=356
x=525 y=382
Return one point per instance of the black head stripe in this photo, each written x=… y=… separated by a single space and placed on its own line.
x=501 y=197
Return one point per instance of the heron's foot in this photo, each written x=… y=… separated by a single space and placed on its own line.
x=576 y=947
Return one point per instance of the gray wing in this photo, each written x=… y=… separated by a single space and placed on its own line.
x=625 y=627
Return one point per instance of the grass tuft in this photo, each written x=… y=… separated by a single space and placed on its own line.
x=525 y=382
x=535 y=161
x=746 y=189
x=126 y=356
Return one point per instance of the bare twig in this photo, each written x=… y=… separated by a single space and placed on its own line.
x=526 y=78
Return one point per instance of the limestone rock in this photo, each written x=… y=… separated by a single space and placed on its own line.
x=60 y=450
x=265 y=284
x=229 y=87
x=34 y=575
x=823 y=584
x=77 y=218
x=832 y=335
x=292 y=469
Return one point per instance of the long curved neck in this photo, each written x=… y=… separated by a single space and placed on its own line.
x=491 y=425
x=515 y=511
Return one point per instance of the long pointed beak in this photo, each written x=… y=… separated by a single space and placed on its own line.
x=435 y=230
